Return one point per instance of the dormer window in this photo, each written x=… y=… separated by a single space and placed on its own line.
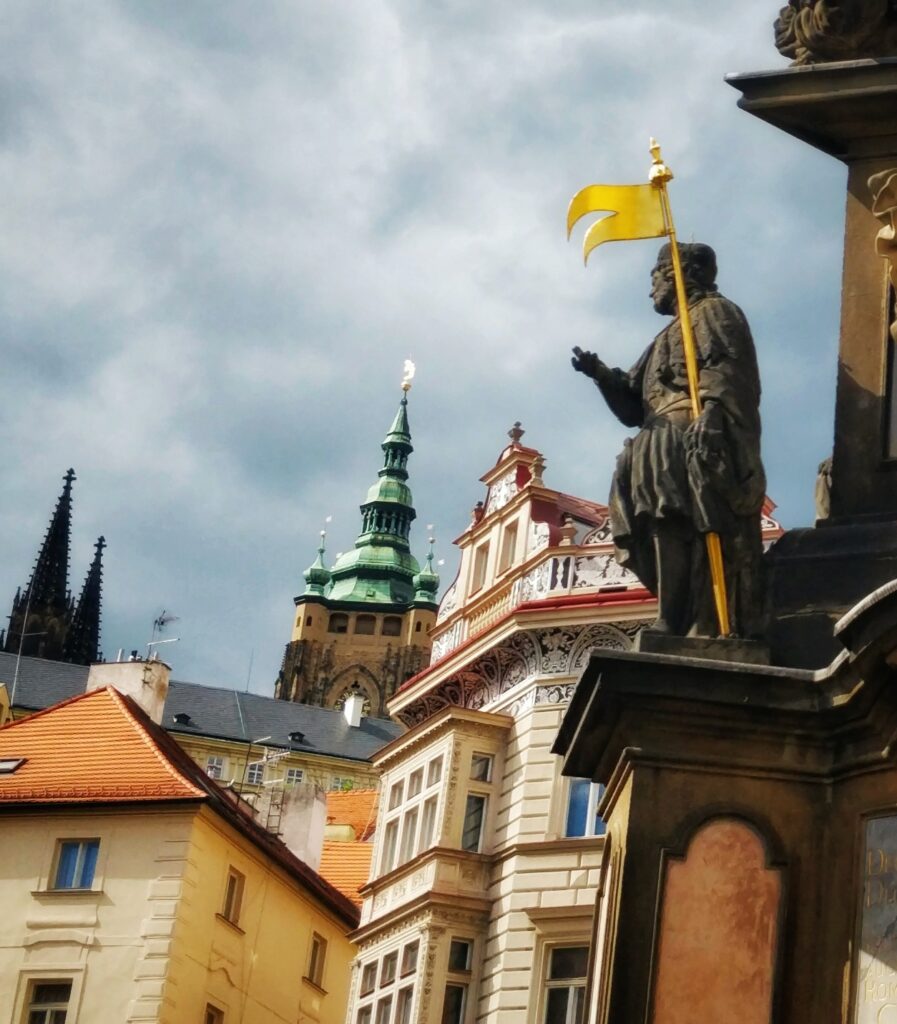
x=182 y=718
x=480 y=561
x=297 y=737
x=10 y=764
x=508 y=547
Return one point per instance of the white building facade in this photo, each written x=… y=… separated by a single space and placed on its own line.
x=487 y=862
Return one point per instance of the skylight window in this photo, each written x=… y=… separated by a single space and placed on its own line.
x=9 y=764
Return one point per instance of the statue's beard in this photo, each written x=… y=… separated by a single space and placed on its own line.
x=665 y=302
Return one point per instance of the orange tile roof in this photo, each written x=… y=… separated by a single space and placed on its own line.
x=91 y=748
x=101 y=748
x=355 y=807
x=347 y=866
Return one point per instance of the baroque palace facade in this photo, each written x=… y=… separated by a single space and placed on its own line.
x=487 y=861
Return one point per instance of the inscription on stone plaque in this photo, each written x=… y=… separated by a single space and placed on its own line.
x=876 y=987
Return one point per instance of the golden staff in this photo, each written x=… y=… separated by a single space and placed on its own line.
x=643 y=211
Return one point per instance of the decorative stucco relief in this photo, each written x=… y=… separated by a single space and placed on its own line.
x=526 y=654
x=501 y=492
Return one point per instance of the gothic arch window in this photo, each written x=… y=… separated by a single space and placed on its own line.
x=339 y=623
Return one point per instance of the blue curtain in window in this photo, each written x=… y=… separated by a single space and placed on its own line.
x=68 y=858
x=578 y=808
x=89 y=866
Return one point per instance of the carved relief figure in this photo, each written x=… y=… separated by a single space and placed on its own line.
x=815 y=31
x=679 y=479
x=883 y=187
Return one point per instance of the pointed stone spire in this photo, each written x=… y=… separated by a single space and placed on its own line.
x=49 y=583
x=45 y=604
x=381 y=568
x=82 y=644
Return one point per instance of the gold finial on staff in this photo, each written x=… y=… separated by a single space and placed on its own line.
x=408 y=371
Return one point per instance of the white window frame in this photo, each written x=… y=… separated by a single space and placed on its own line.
x=255 y=773
x=82 y=843
x=546 y=984
x=405 y=815
x=215 y=766
x=390 y=988
x=294 y=776
x=67 y=971
x=475 y=795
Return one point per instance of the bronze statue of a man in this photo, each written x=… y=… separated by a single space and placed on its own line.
x=678 y=478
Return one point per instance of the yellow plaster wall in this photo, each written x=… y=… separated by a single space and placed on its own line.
x=319 y=770
x=254 y=971
x=112 y=942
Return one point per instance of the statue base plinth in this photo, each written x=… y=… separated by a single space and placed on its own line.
x=747 y=652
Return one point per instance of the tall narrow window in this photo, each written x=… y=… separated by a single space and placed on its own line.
x=480 y=560
x=214 y=1015
x=565 y=985
x=409 y=833
x=403 y=1005
x=453 y=1006
x=409 y=959
x=384 y=1006
x=388 y=969
x=508 y=547
x=582 y=809
x=316 y=959
x=368 y=978
x=390 y=837
x=49 y=1002
x=76 y=862
x=428 y=823
x=474 y=815
x=233 y=896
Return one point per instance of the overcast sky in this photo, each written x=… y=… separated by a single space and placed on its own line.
x=225 y=225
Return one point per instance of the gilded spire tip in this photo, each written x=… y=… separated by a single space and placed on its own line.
x=408 y=371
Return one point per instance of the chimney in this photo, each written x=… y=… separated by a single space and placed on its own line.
x=352 y=706
x=303 y=820
x=145 y=682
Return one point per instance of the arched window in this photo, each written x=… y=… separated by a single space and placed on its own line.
x=365 y=624
x=339 y=623
x=392 y=626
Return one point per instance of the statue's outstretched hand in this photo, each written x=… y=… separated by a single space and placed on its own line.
x=588 y=363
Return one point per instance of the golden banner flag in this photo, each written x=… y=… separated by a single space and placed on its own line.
x=635 y=211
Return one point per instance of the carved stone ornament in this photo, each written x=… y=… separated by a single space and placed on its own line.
x=816 y=31
x=883 y=187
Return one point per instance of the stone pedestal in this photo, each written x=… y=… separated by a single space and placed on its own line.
x=849 y=110
x=751 y=860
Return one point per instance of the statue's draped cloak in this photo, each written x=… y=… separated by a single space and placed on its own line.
x=717 y=485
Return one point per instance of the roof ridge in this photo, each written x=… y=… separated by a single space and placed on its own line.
x=138 y=727
x=45 y=711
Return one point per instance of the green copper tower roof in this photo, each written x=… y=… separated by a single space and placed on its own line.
x=316 y=575
x=381 y=569
x=426 y=582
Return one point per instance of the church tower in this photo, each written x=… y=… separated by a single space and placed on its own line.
x=363 y=626
x=45 y=622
